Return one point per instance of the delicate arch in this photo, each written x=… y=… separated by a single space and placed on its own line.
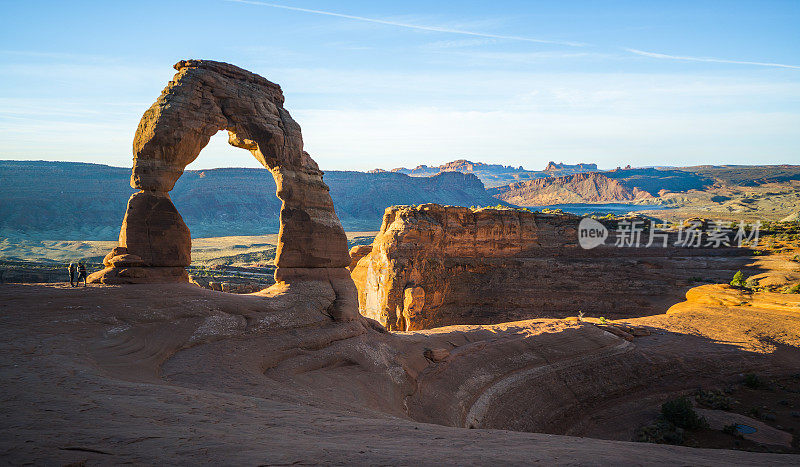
x=203 y=98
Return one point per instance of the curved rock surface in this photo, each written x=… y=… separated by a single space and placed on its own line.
x=143 y=373
x=203 y=98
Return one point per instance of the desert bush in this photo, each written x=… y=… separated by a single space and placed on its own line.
x=680 y=413
x=792 y=289
x=661 y=432
x=713 y=399
x=732 y=429
x=738 y=280
x=753 y=381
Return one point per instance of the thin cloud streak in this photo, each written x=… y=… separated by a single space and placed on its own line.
x=708 y=59
x=514 y=38
x=411 y=26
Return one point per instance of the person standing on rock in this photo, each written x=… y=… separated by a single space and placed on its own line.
x=81 y=273
x=72 y=270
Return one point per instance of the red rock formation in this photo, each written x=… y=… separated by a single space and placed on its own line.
x=590 y=187
x=560 y=167
x=414 y=247
x=203 y=98
x=434 y=265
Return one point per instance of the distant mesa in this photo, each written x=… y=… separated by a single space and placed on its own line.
x=591 y=187
x=492 y=175
x=580 y=167
x=460 y=165
x=616 y=186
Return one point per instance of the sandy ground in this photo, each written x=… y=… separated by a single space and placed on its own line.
x=183 y=375
x=202 y=248
x=767 y=202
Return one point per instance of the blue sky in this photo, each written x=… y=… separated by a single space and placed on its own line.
x=388 y=84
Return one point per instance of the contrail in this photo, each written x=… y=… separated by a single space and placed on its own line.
x=411 y=26
x=513 y=38
x=708 y=59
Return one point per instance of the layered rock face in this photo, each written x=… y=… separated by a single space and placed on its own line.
x=203 y=98
x=434 y=265
x=591 y=187
x=562 y=167
x=416 y=273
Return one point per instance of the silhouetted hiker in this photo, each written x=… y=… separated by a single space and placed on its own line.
x=72 y=271
x=82 y=273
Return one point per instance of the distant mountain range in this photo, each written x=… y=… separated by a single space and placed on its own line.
x=80 y=201
x=67 y=200
x=620 y=185
x=494 y=175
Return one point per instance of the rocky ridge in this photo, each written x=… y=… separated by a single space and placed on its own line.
x=493 y=175
x=592 y=187
x=75 y=201
x=488 y=266
x=563 y=168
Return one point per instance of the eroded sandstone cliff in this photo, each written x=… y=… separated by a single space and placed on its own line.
x=487 y=266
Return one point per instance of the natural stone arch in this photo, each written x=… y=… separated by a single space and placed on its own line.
x=203 y=98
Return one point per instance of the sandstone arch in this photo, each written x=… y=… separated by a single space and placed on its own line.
x=203 y=98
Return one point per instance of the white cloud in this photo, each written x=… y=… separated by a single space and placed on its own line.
x=708 y=59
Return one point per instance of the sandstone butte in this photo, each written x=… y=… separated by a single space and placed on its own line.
x=151 y=369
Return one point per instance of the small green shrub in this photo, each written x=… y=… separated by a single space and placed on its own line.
x=738 y=280
x=661 y=432
x=793 y=289
x=753 y=381
x=713 y=399
x=680 y=413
